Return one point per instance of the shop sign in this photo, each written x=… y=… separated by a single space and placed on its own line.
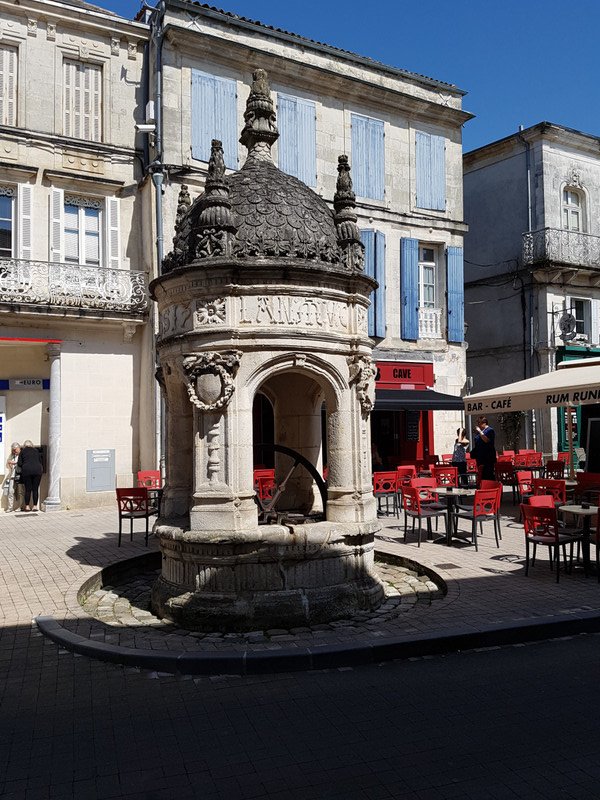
x=403 y=375
x=28 y=383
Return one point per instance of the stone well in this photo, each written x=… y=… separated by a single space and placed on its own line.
x=264 y=291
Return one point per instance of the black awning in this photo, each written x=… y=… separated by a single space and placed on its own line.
x=416 y=400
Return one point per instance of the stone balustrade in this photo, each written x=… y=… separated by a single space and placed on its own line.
x=73 y=286
x=430 y=323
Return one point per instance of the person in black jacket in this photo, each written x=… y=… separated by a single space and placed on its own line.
x=30 y=466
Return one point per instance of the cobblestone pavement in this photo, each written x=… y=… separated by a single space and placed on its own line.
x=45 y=558
x=515 y=722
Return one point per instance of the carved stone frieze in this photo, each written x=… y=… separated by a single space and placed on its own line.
x=209 y=395
x=295 y=312
x=175 y=319
x=362 y=376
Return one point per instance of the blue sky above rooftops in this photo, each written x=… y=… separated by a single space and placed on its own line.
x=520 y=61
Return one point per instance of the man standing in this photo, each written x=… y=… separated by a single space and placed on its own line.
x=484 y=449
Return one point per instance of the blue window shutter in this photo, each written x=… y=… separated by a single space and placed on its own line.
x=307 y=143
x=375 y=161
x=368 y=161
x=431 y=171
x=368 y=239
x=288 y=134
x=297 y=138
x=214 y=116
x=409 y=288
x=380 y=278
x=456 y=294
x=438 y=173
x=423 y=153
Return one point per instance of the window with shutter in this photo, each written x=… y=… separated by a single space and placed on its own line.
x=368 y=163
x=297 y=143
x=214 y=116
x=83 y=100
x=81 y=233
x=8 y=85
x=409 y=287
x=374 y=242
x=431 y=171
x=456 y=294
x=7 y=221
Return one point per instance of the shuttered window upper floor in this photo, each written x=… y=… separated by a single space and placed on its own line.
x=430 y=156
x=8 y=85
x=368 y=156
x=82 y=100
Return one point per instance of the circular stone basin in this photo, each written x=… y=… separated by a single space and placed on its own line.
x=120 y=596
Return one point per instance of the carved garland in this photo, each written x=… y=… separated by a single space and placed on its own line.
x=224 y=365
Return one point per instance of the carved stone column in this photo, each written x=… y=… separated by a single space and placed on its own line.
x=52 y=502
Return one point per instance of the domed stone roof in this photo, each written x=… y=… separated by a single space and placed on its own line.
x=262 y=212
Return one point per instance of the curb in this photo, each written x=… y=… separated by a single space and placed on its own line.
x=324 y=657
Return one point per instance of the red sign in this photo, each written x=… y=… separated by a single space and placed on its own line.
x=404 y=375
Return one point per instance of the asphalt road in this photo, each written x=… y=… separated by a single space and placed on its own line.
x=516 y=722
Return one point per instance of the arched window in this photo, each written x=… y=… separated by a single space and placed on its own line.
x=572 y=210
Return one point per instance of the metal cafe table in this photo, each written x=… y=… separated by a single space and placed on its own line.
x=452 y=495
x=586 y=514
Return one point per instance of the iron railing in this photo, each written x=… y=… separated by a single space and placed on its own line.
x=72 y=286
x=572 y=248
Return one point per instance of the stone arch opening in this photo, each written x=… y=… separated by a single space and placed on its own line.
x=297 y=399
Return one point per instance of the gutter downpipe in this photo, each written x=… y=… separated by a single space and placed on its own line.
x=529 y=432
x=156 y=170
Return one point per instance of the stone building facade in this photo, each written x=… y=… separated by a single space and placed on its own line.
x=532 y=264
x=402 y=135
x=76 y=350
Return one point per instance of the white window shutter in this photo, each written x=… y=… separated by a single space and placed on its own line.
x=113 y=239
x=56 y=224
x=8 y=85
x=76 y=101
x=25 y=212
x=96 y=100
x=68 y=69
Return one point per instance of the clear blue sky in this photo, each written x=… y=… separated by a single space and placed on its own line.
x=521 y=61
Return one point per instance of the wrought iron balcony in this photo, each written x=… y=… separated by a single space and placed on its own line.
x=558 y=246
x=73 y=286
x=430 y=325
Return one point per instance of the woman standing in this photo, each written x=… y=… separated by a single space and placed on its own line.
x=459 y=455
x=12 y=480
x=30 y=464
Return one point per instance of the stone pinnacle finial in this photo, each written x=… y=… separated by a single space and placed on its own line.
x=184 y=201
x=260 y=131
x=344 y=203
x=216 y=229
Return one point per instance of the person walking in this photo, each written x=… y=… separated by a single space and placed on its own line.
x=484 y=448
x=12 y=482
x=459 y=455
x=30 y=465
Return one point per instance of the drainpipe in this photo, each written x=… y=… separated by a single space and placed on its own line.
x=529 y=432
x=156 y=170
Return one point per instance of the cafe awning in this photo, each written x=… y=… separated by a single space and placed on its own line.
x=416 y=400
x=575 y=386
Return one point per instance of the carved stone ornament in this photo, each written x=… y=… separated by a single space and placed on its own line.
x=574 y=178
x=32 y=27
x=210 y=312
x=51 y=31
x=362 y=375
x=132 y=50
x=115 y=45
x=199 y=373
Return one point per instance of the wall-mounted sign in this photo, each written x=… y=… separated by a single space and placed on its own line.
x=25 y=383
x=404 y=375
